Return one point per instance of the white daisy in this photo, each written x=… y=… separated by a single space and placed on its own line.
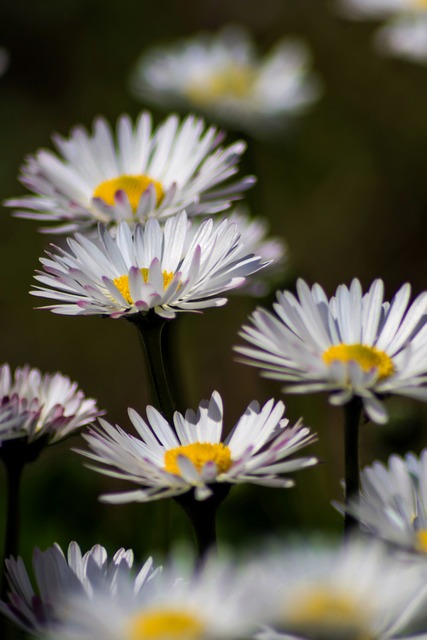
x=59 y=578
x=393 y=501
x=357 y=591
x=147 y=268
x=222 y=75
x=171 y=460
x=405 y=36
x=352 y=344
x=35 y=405
x=146 y=173
x=215 y=602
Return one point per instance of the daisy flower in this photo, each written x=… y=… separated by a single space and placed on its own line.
x=222 y=76
x=169 y=460
x=359 y=590
x=34 y=405
x=59 y=577
x=405 y=30
x=144 y=173
x=213 y=603
x=147 y=268
x=354 y=344
x=393 y=501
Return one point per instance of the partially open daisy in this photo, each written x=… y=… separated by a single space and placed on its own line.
x=146 y=173
x=59 y=578
x=167 y=269
x=222 y=75
x=34 y=405
x=169 y=460
x=393 y=501
x=216 y=602
x=352 y=344
x=358 y=591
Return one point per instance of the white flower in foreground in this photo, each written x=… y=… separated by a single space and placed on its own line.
x=60 y=578
x=352 y=344
x=357 y=591
x=213 y=603
x=222 y=75
x=170 y=460
x=35 y=405
x=405 y=36
x=145 y=173
x=147 y=268
x=393 y=501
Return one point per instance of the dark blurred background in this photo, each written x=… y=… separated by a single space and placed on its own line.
x=346 y=188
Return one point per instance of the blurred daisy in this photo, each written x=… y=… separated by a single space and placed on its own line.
x=148 y=268
x=254 y=239
x=35 y=405
x=352 y=344
x=145 y=173
x=215 y=602
x=59 y=578
x=405 y=30
x=393 y=501
x=222 y=76
x=357 y=591
x=171 y=460
x=4 y=60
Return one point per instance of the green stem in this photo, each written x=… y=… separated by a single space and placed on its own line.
x=202 y=515
x=352 y=413
x=150 y=328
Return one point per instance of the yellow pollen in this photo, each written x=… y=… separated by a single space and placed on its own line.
x=122 y=282
x=366 y=357
x=421 y=540
x=133 y=186
x=323 y=611
x=165 y=625
x=235 y=81
x=199 y=453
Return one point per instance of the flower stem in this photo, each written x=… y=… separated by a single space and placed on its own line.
x=150 y=328
x=352 y=413
x=202 y=515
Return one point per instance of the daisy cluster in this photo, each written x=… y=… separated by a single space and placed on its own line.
x=152 y=232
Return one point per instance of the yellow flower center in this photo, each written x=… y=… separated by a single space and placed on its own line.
x=421 y=4
x=366 y=357
x=315 y=609
x=165 y=625
x=421 y=540
x=235 y=81
x=133 y=186
x=122 y=283
x=199 y=453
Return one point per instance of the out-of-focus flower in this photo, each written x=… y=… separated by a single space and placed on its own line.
x=352 y=344
x=147 y=268
x=144 y=173
x=171 y=460
x=222 y=76
x=59 y=578
x=4 y=60
x=393 y=501
x=404 y=33
x=35 y=405
x=216 y=602
x=360 y=590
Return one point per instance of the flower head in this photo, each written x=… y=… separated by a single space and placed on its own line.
x=60 y=578
x=353 y=344
x=166 y=269
x=146 y=173
x=393 y=501
x=35 y=405
x=169 y=460
x=221 y=75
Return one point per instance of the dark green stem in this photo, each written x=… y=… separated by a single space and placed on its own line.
x=202 y=515
x=150 y=328
x=352 y=413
